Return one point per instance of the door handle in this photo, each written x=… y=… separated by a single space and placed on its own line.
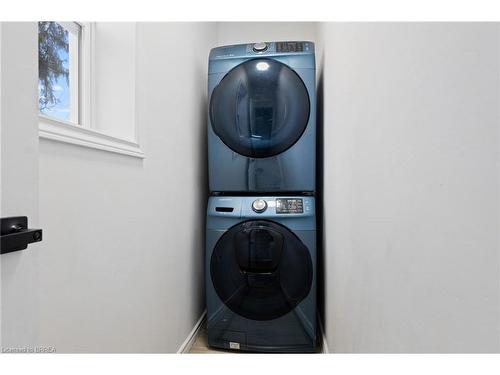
x=15 y=234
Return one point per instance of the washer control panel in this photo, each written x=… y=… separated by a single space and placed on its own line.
x=289 y=206
x=266 y=207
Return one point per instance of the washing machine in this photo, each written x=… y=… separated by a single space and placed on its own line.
x=262 y=118
x=260 y=270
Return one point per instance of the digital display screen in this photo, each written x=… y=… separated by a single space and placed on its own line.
x=289 y=47
x=289 y=206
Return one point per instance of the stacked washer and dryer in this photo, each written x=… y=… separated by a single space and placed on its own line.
x=260 y=262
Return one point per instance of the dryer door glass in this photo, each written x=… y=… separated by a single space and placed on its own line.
x=260 y=108
x=261 y=270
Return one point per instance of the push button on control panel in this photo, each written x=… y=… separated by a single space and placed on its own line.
x=260 y=47
x=259 y=205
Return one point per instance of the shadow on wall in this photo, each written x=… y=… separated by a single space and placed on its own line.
x=319 y=195
x=203 y=191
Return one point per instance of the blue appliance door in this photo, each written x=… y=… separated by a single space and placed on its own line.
x=261 y=270
x=260 y=108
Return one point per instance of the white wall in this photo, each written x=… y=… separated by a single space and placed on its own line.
x=114 y=77
x=411 y=183
x=121 y=266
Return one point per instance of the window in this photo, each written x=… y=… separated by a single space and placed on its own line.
x=57 y=65
x=59 y=70
x=66 y=75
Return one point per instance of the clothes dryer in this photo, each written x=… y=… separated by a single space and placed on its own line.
x=262 y=118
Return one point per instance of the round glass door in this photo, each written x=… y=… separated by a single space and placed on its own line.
x=260 y=108
x=261 y=270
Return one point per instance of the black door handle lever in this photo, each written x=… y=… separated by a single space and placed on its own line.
x=15 y=234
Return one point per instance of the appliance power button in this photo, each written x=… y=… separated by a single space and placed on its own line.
x=260 y=47
x=259 y=205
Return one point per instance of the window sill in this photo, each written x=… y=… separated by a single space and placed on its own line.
x=62 y=131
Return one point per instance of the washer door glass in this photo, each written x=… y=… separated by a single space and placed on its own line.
x=261 y=270
x=260 y=108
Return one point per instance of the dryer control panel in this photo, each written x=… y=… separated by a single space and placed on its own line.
x=262 y=48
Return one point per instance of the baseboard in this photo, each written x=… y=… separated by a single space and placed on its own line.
x=189 y=341
x=324 y=343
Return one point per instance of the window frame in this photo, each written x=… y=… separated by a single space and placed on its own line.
x=83 y=131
